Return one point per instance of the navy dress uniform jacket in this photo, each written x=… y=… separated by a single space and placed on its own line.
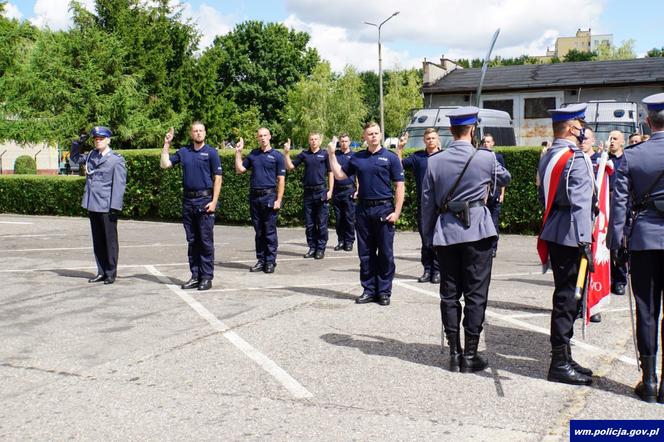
x=105 y=180
x=443 y=170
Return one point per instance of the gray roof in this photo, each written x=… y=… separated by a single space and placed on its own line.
x=558 y=75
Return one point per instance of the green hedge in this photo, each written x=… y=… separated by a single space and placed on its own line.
x=153 y=193
x=25 y=165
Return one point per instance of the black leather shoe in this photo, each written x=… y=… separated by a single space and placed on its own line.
x=338 y=247
x=205 y=284
x=319 y=254
x=98 y=278
x=310 y=254
x=365 y=298
x=597 y=317
x=258 y=267
x=435 y=278
x=109 y=280
x=426 y=277
x=619 y=290
x=348 y=247
x=383 y=300
x=191 y=284
x=269 y=267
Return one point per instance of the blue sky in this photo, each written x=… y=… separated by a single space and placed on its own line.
x=423 y=29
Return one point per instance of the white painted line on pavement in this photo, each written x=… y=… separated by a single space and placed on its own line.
x=55 y=249
x=267 y=364
x=535 y=315
x=525 y=325
x=285 y=287
x=40 y=235
x=15 y=222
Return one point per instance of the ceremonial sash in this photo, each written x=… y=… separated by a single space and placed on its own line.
x=550 y=181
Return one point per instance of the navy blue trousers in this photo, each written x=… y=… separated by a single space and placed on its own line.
x=375 y=248
x=647 y=267
x=104 y=228
x=199 y=230
x=264 y=220
x=344 y=213
x=494 y=209
x=428 y=255
x=316 y=215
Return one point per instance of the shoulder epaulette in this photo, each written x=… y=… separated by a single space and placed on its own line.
x=634 y=145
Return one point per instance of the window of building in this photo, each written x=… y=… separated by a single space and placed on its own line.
x=538 y=107
x=502 y=105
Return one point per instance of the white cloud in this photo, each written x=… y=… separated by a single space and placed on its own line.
x=12 y=12
x=55 y=14
x=336 y=45
x=456 y=26
x=209 y=21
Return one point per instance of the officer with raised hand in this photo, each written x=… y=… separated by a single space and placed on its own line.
x=377 y=170
x=318 y=185
x=641 y=175
x=268 y=171
x=418 y=163
x=201 y=182
x=456 y=221
x=105 y=182
x=343 y=199
x=567 y=195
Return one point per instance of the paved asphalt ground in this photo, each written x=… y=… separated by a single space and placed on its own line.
x=287 y=356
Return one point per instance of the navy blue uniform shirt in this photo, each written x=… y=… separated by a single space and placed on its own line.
x=265 y=168
x=417 y=162
x=375 y=172
x=316 y=167
x=198 y=166
x=343 y=159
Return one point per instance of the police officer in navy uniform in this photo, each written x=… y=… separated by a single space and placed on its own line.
x=318 y=185
x=201 y=182
x=567 y=232
x=105 y=181
x=377 y=170
x=456 y=221
x=343 y=199
x=418 y=162
x=268 y=171
x=616 y=142
x=497 y=195
x=641 y=179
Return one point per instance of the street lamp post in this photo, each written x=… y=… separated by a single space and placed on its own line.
x=380 y=72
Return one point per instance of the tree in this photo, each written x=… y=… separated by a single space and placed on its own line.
x=256 y=64
x=370 y=92
x=576 y=55
x=623 y=52
x=403 y=95
x=655 y=52
x=348 y=110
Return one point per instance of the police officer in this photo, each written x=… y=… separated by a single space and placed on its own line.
x=567 y=193
x=618 y=267
x=343 y=199
x=377 y=169
x=317 y=193
x=268 y=171
x=105 y=181
x=201 y=182
x=457 y=223
x=641 y=175
x=418 y=162
x=497 y=195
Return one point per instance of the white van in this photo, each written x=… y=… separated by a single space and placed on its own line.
x=497 y=123
x=604 y=116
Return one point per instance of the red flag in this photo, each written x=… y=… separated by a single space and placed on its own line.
x=599 y=282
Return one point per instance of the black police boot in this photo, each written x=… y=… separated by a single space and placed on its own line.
x=646 y=389
x=575 y=365
x=269 y=267
x=258 y=267
x=320 y=254
x=619 y=289
x=383 y=300
x=365 y=298
x=435 y=278
x=470 y=360
x=191 y=284
x=426 y=277
x=338 y=247
x=98 y=278
x=109 y=280
x=456 y=351
x=348 y=247
x=597 y=317
x=561 y=371
x=310 y=254
x=205 y=284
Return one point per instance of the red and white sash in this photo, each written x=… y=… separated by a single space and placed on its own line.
x=550 y=181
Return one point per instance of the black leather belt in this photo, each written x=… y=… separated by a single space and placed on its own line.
x=478 y=203
x=338 y=188
x=198 y=193
x=657 y=204
x=374 y=203
x=315 y=188
x=563 y=207
x=262 y=192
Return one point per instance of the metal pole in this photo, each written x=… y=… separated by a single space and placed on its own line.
x=380 y=88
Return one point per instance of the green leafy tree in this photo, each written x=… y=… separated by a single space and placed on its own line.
x=403 y=95
x=656 y=52
x=348 y=110
x=576 y=55
x=623 y=52
x=370 y=92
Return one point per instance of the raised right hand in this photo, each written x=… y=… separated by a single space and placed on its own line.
x=169 y=136
x=287 y=146
x=332 y=146
x=240 y=145
x=402 y=141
